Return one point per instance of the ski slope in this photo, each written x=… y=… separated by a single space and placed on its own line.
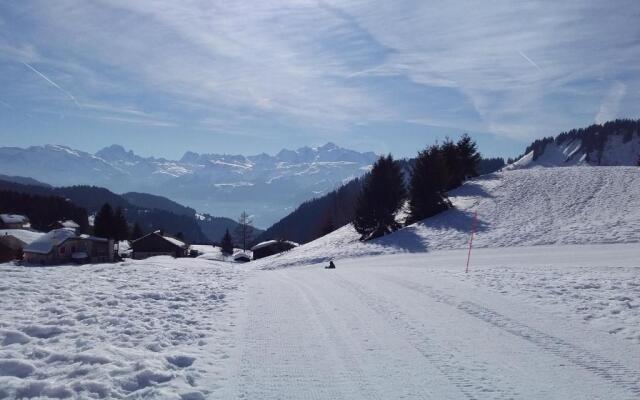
x=527 y=207
x=415 y=326
x=550 y=309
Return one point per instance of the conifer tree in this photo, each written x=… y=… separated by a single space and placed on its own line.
x=469 y=156
x=382 y=195
x=120 y=230
x=227 y=243
x=453 y=161
x=428 y=185
x=327 y=225
x=136 y=232
x=103 y=222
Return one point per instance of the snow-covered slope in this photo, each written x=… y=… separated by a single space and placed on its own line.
x=614 y=143
x=515 y=208
x=267 y=186
x=545 y=312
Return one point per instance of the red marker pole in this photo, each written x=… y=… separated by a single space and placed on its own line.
x=473 y=230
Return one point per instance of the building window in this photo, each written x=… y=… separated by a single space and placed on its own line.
x=62 y=250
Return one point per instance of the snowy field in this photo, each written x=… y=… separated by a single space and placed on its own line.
x=551 y=322
x=157 y=328
x=549 y=310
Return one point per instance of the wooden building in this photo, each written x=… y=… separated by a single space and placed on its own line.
x=13 y=241
x=271 y=247
x=64 y=246
x=157 y=244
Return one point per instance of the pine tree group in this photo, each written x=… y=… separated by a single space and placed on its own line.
x=382 y=195
x=430 y=180
x=110 y=224
x=437 y=170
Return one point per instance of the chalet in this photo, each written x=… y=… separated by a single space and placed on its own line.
x=271 y=247
x=13 y=241
x=71 y=224
x=14 y=221
x=157 y=244
x=241 y=257
x=64 y=246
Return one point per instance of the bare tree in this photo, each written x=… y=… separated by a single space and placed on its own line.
x=244 y=230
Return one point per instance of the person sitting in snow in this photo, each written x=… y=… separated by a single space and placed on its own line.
x=331 y=265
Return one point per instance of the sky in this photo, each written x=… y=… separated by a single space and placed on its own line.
x=162 y=77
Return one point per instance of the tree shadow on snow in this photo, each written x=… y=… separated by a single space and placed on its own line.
x=471 y=189
x=459 y=220
x=415 y=238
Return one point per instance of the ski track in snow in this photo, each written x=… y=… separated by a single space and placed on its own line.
x=607 y=369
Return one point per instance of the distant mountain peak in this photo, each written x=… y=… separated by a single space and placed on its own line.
x=190 y=157
x=329 y=146
x=116 y=152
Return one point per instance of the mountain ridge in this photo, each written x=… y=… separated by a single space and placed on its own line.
x=218 y=184
x=614 y=143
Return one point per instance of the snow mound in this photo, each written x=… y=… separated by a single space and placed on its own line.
x=538 y=206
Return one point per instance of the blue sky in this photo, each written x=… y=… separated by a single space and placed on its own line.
x=162 y=76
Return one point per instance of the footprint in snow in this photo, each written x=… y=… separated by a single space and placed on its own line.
x=181 y=361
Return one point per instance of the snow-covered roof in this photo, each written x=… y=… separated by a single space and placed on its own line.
x=169 y=239
x=69 y=224
x=14 y=219
x=263 y=244
x=174 y=241
x=23 y=235
x=94 y=238
x=45 y=243
x=272 y=242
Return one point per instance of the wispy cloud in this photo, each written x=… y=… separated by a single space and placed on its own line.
x=52 y=83
x=530 y=61
x=304 y=65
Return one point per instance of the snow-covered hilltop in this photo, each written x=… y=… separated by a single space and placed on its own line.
x=613 y=143
x=575 y=205
x=266 y=185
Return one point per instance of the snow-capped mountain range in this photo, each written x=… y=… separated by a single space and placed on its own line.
x=267 y=186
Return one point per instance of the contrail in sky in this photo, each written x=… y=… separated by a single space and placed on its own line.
x=530 y=60
x=43 y=76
